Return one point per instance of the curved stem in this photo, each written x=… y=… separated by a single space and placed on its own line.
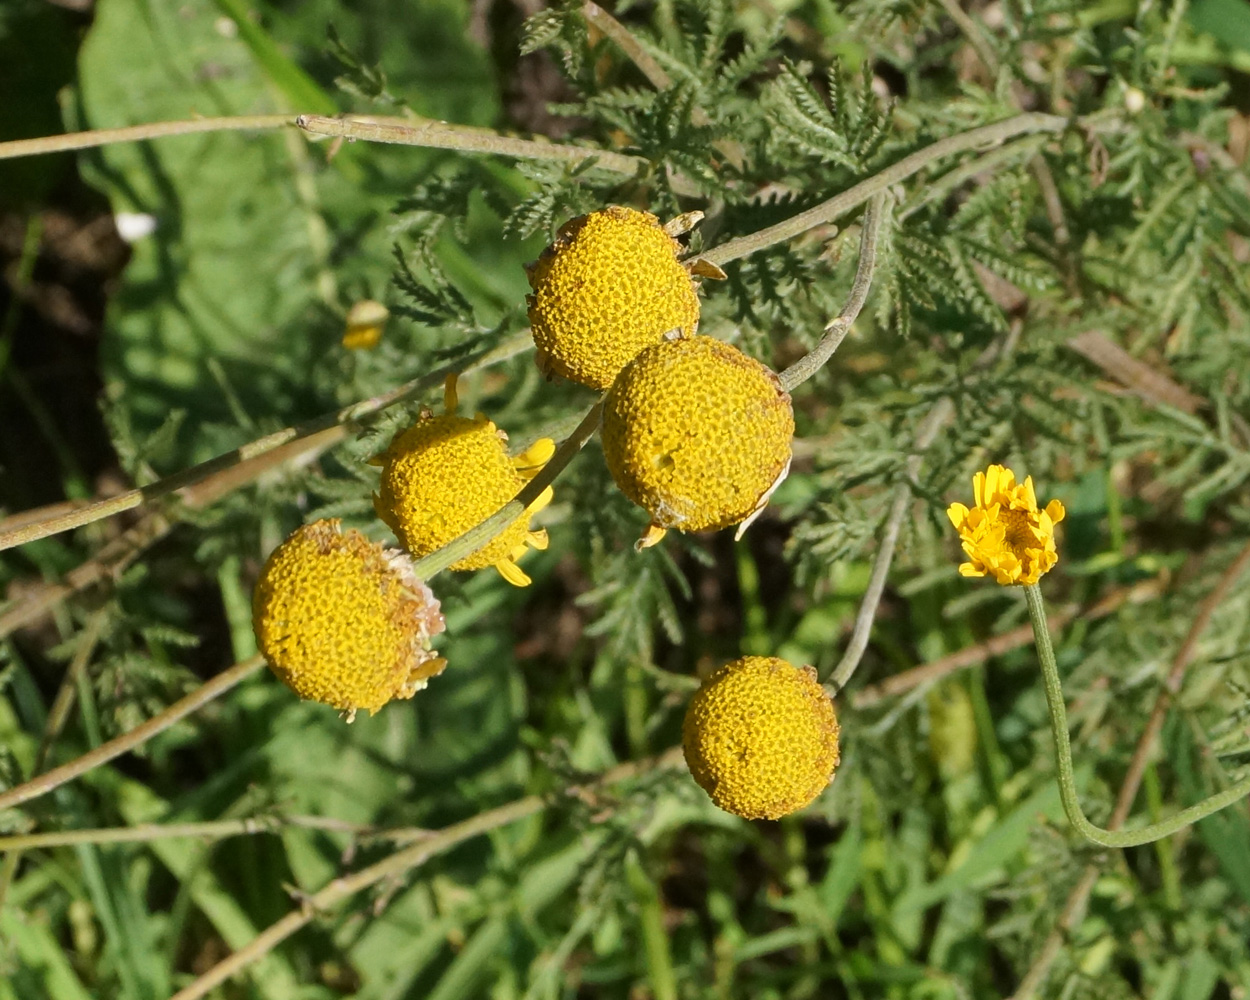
x=1063 y=752
x=875 y=218
x=102 y=754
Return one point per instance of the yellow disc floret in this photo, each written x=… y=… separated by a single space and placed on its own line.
x=697 y=434
x=447 y=474
x=761 y=737
x=343 y=621
x=608 y=286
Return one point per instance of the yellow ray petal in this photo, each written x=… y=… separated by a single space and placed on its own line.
x=513 y=573
x=650 y=537
x=537 y=539
x=534 y=457
x=451 y=399
x=544 y=498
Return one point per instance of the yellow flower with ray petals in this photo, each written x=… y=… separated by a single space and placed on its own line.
x=447 y=474
x=1005 y=535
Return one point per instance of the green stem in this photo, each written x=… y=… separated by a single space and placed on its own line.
x=840 y=204
x=484 y=533
x=875 y=218
x=1063 y=751
x=102 y=754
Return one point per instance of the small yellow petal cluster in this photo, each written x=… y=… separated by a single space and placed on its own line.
x=761 y=737
x=446 y=474
x=697 y=434
x=608 y=286
x=1005 y=535
x=365 y=323
x=343 y=621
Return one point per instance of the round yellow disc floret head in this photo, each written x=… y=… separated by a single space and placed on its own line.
x=608 y=286
x=761 y=737
x=697 y=434
x=344 y=621
x=446 y=474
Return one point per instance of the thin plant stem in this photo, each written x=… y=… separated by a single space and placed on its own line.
x=1074 y=907
x=59 y=714
x=483 y=533
x=1063 y=754
x=138 y=133
x=976 y=39
x=211 y=830
x=337 y=425
x=656 y=74
x=852 y=197
x=1016 y=638
x=940 y=187
x=903 y=493
x=401 y=863
x=624 y=40
x=102 y=754
x=465 y=139
x=875 y=219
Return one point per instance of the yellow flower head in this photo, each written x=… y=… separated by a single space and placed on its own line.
x=1005 y=534
x=447 y=474
x=365 y=322
x=608 y=286
x=344 y=621
x=697 y=434
x=761 y=737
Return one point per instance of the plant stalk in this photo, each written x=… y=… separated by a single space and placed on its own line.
x=1063 y=753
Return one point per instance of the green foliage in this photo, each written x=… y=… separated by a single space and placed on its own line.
x=939 y=861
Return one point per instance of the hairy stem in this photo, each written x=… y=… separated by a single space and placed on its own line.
x=852 y=197
x=971 y=656
x=465 y=139
x=337 y=425
x=400 y=863
x=901 y=500
x=1063 y=753
x=1074 y=907
x=213 y=829
x=102 y=754
x=875 y=219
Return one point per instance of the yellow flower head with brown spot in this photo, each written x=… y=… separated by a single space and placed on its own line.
x=447 y=474
x=1005 y=535
x=608 y=286
x=344 y=621
x=761 y=737
x=697 y=434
